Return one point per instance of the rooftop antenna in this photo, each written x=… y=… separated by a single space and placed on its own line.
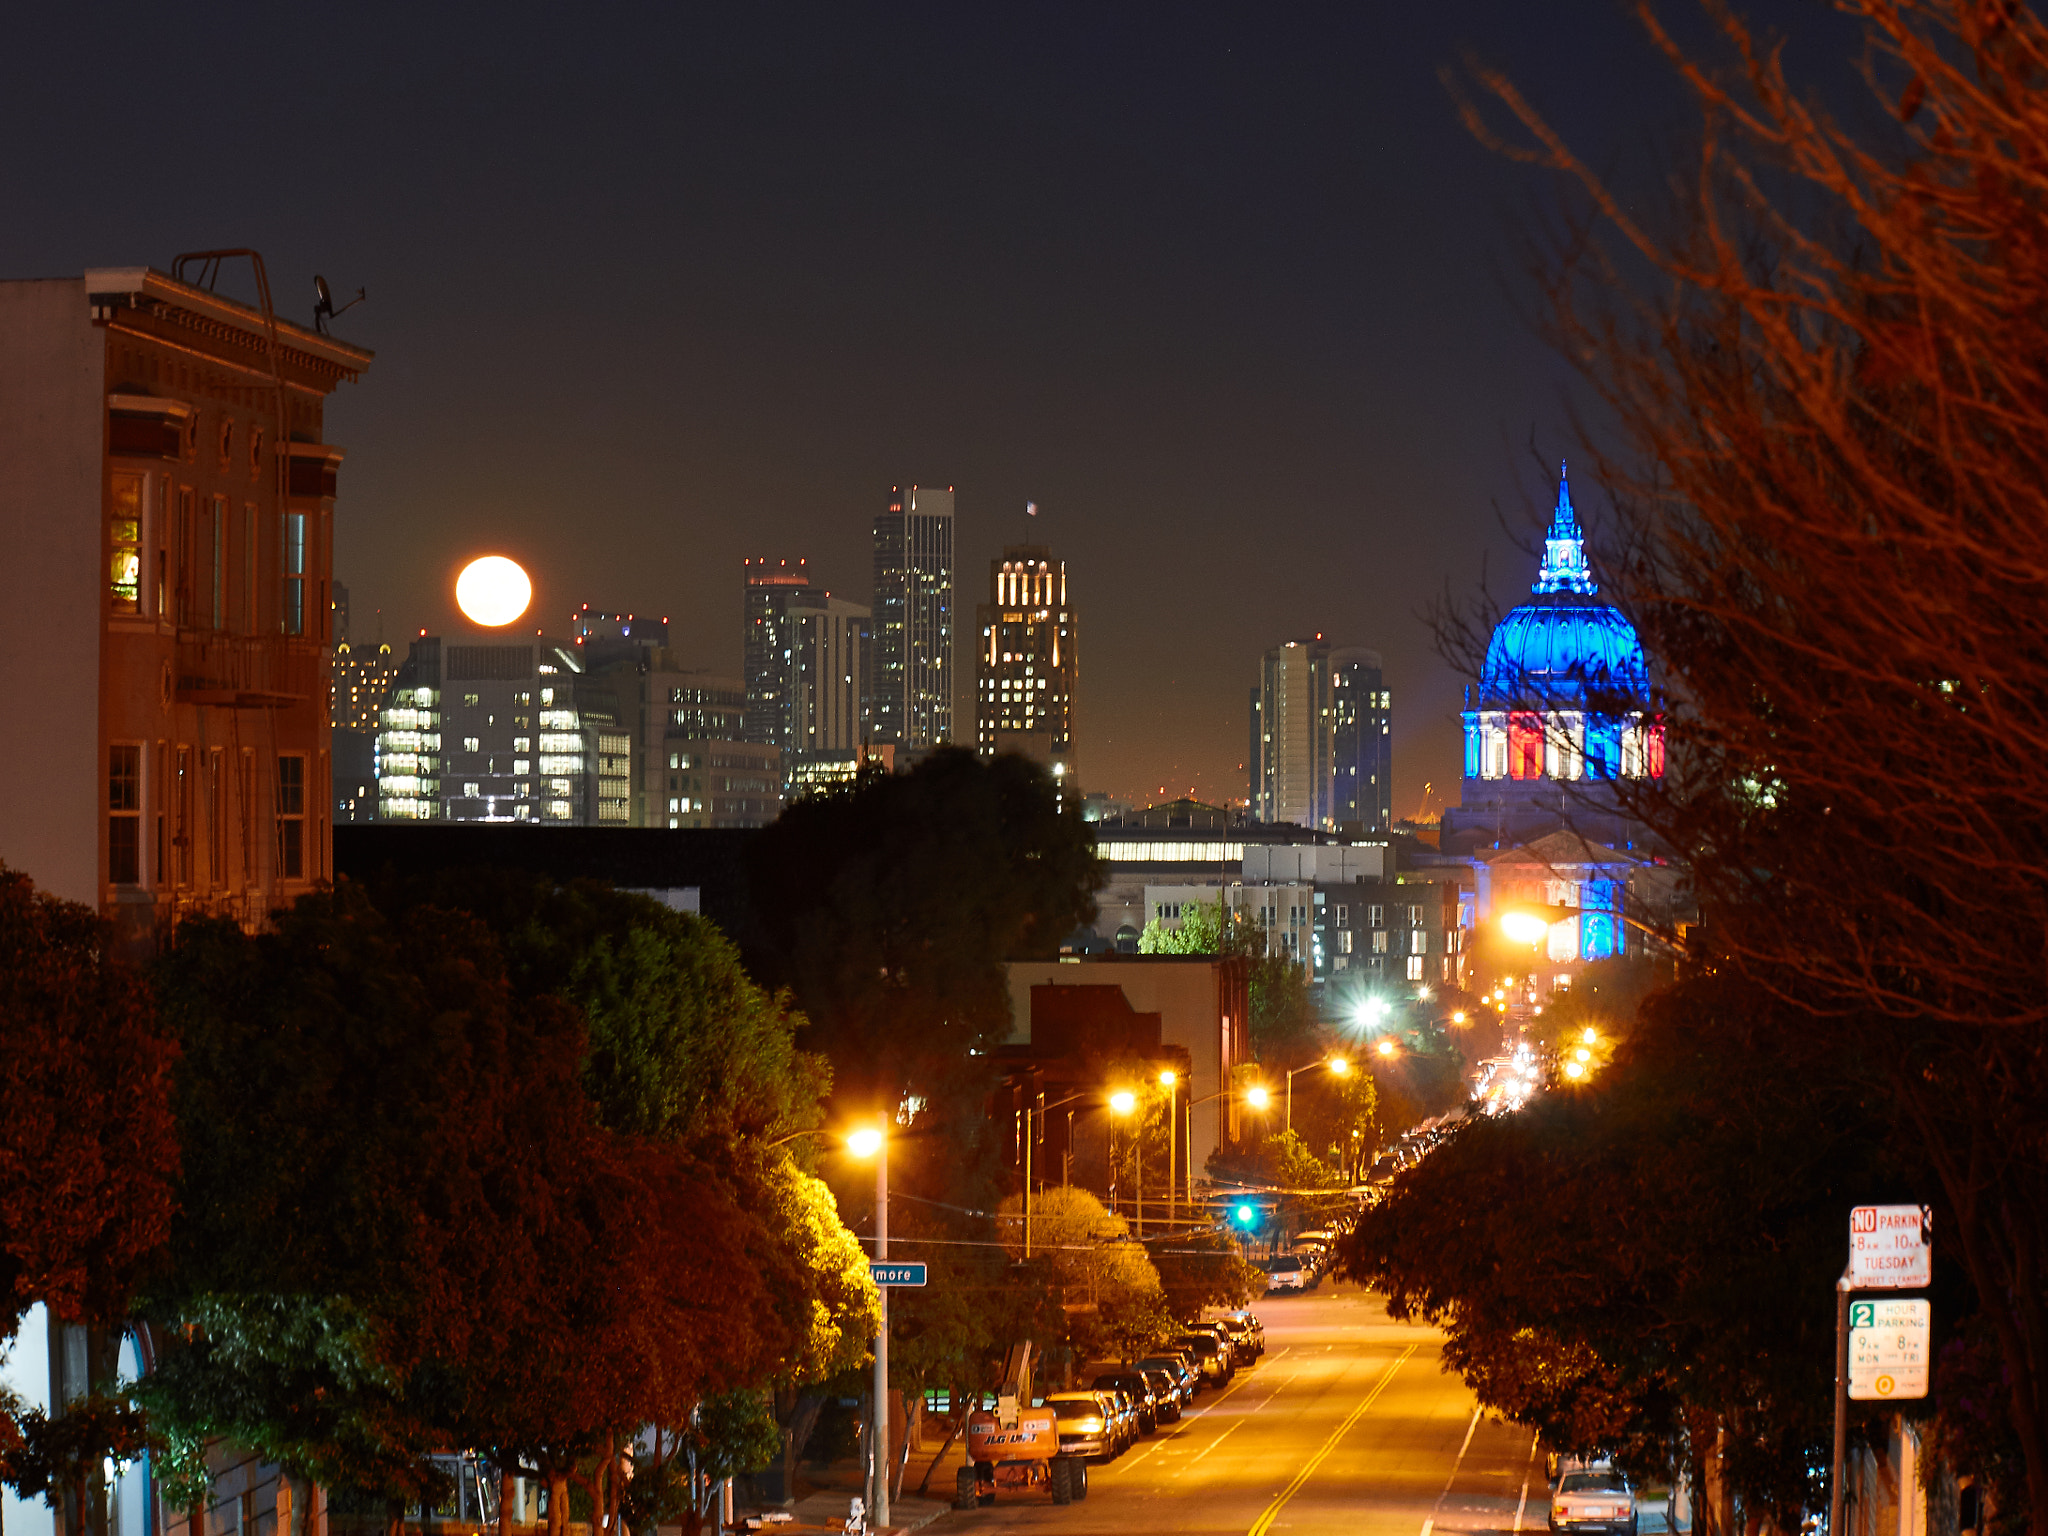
x=323 y=306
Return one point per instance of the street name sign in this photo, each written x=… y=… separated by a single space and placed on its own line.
x=1891 y=1248
x=1888 y=1348
x=895 y=1274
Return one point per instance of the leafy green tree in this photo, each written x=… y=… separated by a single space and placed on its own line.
x=88 y=1160
x=88 y=1147
x=1200 y=932
x=685 y=1049
x=393 y=1202
x=889 y=908
x=1205 y=1269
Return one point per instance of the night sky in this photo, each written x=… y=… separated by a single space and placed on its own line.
x=1230 y=294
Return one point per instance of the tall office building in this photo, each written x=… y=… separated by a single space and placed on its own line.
x=1025 y=666
x=494 y=731
x=806 y=659
x=912 y=688
x=167 y=509
x=768 y=647
x=1320 y=749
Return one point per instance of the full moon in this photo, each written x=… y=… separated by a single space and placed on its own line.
x=493 y=591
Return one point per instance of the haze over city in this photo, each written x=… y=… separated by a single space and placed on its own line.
x=1230 y=295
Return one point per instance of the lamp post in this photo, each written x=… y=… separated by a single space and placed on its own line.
x=1123 y=1101
x=875 y=1144
x=1169 y=1080
x=1066 y=1156
x=1337 y=1065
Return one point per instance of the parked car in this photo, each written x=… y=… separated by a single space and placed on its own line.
x=1166 y=1394
x=1285 y=1274
x=1251 y=1324
x=1086 y=1424
x=1139 y=1390
x=1126 y=1417
x=1249 y=1341
x=1240 y=1353
x=1181 y=1368
x=1593 y=1499
x=1212 y=1356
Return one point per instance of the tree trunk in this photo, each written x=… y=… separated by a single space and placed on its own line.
x=558 y=1504
x=505 y=1487
x=803 y=1419
x=952 y=1433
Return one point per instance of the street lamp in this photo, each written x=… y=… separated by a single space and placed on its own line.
x=1124 y=1102
x=1387 y=1047
x=1337 y=1067
x=1029 y=1141
x=873 y=1141
x=1169 y=1080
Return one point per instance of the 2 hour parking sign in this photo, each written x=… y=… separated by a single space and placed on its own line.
x=1888 y=1348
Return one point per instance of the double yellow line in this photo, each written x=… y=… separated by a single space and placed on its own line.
x=1264 y=1523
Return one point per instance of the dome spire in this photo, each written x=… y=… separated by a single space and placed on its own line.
x=1564 y=547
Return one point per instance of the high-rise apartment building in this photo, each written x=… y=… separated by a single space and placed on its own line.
x=768 y=646
x=912 y=689
x=1321 y=745
x=807 y=662
x=167 y=508
x=1025 y=662
x=1362 y=748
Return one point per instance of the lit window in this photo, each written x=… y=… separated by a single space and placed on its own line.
x=1415 y=967
x=294 y=551
x=469 y=744
x=125 y=534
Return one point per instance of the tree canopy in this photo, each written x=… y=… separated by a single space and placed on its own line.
x=1825 y=372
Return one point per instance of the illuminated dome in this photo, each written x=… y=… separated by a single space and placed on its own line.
x=1564 y=645
x=1564 y=694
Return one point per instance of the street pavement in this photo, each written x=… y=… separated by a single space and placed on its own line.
x=1347 y=1423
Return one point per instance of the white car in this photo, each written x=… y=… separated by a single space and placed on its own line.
x=1590 y=1499
x=1285 y=1274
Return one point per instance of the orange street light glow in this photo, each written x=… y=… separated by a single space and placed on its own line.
x=1258 y=1098
x=1123 y=1102
x=865 y=1142
x=1386 y=1047
x=1523 y=927
x=1339 y=1065
x=493 y=591
x=1168 y=1079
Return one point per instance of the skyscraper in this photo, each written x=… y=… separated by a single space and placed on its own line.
x=1321 y=751
x=1025 y=667
x=769 y=647
x=1362 y=756
x=912 y=688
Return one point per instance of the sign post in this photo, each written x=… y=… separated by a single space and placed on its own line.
x=1881 y=1347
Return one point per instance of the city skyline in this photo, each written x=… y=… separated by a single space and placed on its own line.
x=1265 y=365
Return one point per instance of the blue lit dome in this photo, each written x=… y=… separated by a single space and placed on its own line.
x=1564 y=646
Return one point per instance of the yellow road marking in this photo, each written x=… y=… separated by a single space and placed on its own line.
x=1264 y=1523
